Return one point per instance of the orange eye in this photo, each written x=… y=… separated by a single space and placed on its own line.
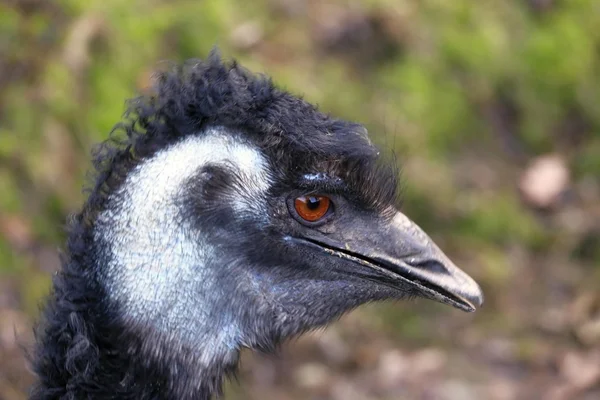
x=312 y=208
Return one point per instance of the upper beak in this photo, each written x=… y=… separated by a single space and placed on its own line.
x=401 y=251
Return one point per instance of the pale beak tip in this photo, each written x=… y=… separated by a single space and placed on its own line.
x=474 y=298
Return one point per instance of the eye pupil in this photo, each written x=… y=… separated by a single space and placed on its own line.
x=313 y=203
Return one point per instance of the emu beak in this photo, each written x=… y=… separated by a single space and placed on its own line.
x=414 y=257
x=402 y=254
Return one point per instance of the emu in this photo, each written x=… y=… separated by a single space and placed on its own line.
x=224 y=214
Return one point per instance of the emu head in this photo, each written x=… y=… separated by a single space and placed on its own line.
x=237 y=215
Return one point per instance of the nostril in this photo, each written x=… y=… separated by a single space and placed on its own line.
x=432 y=266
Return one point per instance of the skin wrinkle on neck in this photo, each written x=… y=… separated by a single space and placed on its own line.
x=157 y=260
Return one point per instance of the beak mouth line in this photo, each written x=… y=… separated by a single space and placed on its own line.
x=401 y=271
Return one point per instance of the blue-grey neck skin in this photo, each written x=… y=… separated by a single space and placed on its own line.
x=159 y=266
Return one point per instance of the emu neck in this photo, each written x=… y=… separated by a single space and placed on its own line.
x=86 y=351
x=147 y=308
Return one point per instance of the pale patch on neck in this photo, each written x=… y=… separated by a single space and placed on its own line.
x=156 y=261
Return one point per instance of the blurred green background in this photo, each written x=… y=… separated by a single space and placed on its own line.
x=493 y=107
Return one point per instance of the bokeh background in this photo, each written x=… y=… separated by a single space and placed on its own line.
x=492 y=106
